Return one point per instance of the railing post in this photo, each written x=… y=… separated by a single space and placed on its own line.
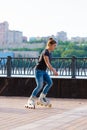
x=9 y=66
x=73 y=67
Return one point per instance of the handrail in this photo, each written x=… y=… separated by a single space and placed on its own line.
x=72 y=66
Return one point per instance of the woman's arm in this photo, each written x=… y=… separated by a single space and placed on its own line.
x=46 y=59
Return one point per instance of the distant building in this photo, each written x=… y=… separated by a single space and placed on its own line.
x=24 y=39
x=79 y=39
x=32 y=39
x=14 y=36
x=9 y=36
x=17 y=37
x=3 y=32
x=61 y=36
x=41 y=39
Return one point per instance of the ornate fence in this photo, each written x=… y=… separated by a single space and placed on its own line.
x=26 y=66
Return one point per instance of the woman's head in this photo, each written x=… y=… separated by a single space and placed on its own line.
x=51 y=44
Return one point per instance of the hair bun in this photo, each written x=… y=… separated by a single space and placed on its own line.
x=51 y=38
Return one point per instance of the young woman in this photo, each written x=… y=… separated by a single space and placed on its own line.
x=42 y=76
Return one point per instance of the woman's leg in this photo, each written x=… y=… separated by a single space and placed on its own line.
x=39 y=82
x=49 y=83
x=42 y=98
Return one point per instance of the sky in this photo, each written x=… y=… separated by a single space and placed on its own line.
x=45 y=17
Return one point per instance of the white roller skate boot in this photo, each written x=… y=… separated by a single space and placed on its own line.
x=43 y=101
x=31 y=103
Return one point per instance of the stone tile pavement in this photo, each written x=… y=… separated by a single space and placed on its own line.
x=65 y=114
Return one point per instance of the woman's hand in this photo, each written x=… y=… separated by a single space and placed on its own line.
x=46 y=59
x=55 y=72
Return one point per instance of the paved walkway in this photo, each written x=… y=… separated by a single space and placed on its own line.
x=65 y=114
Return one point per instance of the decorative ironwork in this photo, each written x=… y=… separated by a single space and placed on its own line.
x=26 y=66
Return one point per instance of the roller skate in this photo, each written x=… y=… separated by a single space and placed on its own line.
x=30 y=104
x=43 y=101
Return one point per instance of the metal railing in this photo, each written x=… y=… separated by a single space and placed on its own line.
x=26 y=66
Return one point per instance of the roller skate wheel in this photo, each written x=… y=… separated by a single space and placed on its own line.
x=50 y=105
x=30 y=107
x=26 y=105
x=38 y=103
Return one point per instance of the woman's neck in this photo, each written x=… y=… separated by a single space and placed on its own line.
x=48 y=49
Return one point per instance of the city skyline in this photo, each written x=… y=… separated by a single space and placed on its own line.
x=16 y=36
x=44 y=18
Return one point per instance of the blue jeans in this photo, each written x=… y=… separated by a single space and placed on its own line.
x=41 y=77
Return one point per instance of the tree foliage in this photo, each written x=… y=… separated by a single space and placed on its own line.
x=68 y=49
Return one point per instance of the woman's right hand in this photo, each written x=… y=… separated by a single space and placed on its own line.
x=55 y=72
